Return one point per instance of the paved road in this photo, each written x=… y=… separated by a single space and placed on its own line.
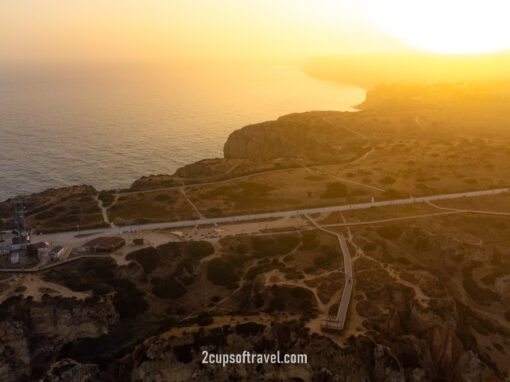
x=339 y=321
x=66 y=236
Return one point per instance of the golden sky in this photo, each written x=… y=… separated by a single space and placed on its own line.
x=171 y=29
x=119 y=30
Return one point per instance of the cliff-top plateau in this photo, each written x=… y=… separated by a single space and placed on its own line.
x=248 y=252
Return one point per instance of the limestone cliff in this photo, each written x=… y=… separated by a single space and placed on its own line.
x=361 y=359
x=309 y=137
x=33 y=333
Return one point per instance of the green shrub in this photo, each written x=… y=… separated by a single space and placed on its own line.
x=387 y=180
x=146 y=257
x=310 y=240
x=188 y=280
x=91 y=210
x=326 y=258
x=204 y=319
x=106 y=197
x=128 y=301
x=170 y=249
x=162 y=198
x=390 y=232
x=221 y=272
x=69 y=219
x=294 y=299
x=335 y=190
x=392 y=194
x=200 y=249
x=280 y=245
x=490 y=278
x=478 y=294
x=370 y=246
x=167 y=287
x=84 y=275
x=500 y=225
x=422 y=243
x=45 y=215
x=268 y=266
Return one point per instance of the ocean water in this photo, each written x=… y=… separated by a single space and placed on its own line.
x=107 y=126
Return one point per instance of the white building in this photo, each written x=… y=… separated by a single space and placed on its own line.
x=56 y=253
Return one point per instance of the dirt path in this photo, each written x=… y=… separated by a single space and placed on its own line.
x=460 y=210
x=104 y=211
x=241 y=177
x=389 y=220
x=193 y=205
x=323 y=172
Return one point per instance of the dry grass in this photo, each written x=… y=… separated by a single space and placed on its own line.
x=150 y=207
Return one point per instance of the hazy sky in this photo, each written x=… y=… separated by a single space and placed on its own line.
x=119 y=30
x=56 y=30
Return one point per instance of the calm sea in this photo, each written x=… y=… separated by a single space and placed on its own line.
x=108 y=126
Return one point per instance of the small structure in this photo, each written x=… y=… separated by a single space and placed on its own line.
x=138 y=241
x=19 y=214
x=103 y=244
x=20 y=242
x=41 y=247
x=6 y=242
x=23 y=239
x=15 y=258
x=16 y=243
x=56 y=253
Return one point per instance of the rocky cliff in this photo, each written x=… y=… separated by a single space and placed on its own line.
x=179 y=358
x=309 y=137
x=33 y=333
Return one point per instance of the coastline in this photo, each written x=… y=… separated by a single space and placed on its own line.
x=97 y=129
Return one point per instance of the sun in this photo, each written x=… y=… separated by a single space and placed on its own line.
x=446 y=26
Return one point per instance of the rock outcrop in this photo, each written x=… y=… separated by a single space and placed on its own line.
x=68 y=370
x=32 y=333
x=171 y=358
x=308 y=137
x=179 y=358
